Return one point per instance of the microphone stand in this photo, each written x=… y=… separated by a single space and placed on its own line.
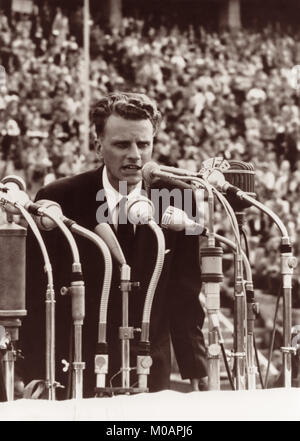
x=239 y=304
x=76 y=290
x=12 y=298
x=239 y=310
x=212 y=276
x=288 y=264
x=101 y=357
x=144 y=360
x=126 y=332
x=252 y=311
x=50 y=382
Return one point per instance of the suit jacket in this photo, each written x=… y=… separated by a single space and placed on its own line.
x=176 y=309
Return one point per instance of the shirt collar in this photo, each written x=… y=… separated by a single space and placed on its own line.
x=113 y=197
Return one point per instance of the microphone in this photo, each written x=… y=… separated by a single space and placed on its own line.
x=13 y=187
x=152 y=174
x=177 y=220
x=13 y=182
x=241 y=175
x=42 y=220
x=106 y=233
x=10 y=197
x=140 y=210
x=177 y=171
x=234 y=194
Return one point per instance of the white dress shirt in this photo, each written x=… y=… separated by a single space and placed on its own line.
x=113 y=197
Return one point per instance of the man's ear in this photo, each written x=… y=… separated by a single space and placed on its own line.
x=98 y=147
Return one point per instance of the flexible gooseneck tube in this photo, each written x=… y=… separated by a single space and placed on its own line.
x=84 y=232
x=78 y=305
x=50 y=307
x=125 y=331
x=154 y=279
x=141 y=211
x=101 y=358
x=144 y=360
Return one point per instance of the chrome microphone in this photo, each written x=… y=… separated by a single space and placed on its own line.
x=153 y=174
x=14 y=182
x=140 y=211
x=242 y=175
x=177 y=220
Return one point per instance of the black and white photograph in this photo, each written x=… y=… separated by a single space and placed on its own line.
x=149 y=213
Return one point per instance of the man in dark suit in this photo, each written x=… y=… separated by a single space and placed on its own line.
x=125 y=126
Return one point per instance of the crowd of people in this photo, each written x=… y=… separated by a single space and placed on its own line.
x=226 y=94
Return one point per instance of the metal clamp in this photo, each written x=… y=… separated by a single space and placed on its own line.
x=238 y=354
x=128 y=286
x=126 y=332
x=55 y=385
x=78 y=365
x=252 y=370
x=288 y=350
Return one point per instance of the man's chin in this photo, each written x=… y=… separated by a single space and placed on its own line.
x=135 y=176
x=130 y=181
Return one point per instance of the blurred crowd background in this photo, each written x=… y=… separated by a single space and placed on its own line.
x=221 y=93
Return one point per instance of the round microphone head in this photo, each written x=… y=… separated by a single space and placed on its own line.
x=14 y=182
x=173 y=219
x=148 y=171
x=240 y=174
x=140 y=210
x=216 y=178
x=44 y=222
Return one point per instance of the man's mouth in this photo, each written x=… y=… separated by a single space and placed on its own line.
x=131 y=167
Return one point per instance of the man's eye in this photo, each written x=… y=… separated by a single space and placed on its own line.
x=121 y=145
x=143 y=145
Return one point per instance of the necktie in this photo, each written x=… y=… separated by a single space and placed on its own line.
x=125 y=233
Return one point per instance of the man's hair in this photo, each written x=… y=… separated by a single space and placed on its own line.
x=133 y=106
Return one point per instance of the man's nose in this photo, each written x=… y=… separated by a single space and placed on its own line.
x=134 y=152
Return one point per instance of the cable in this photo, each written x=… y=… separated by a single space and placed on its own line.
x=114 y=376
x=254 y=338
x=245 y=242
x=227 y=366
x=118 y=373
x=257 y=363
x=273 y=337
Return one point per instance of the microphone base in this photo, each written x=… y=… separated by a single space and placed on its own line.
x=111 y=391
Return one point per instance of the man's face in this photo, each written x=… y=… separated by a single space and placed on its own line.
x=126 y=146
